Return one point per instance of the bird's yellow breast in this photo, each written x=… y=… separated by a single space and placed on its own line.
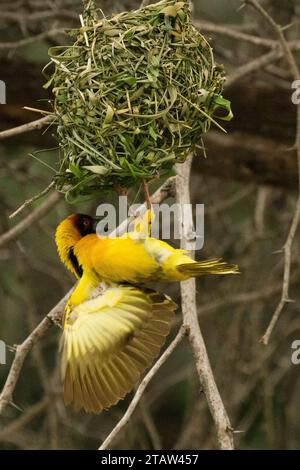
x=115 y=259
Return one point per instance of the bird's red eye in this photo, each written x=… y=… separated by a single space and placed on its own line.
x=86 y=223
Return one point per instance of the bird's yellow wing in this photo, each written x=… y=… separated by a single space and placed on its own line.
x=109 y=341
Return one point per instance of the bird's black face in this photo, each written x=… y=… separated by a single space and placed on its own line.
x=85 y=224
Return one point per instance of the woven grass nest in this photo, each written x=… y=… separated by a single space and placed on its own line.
x=133 y=96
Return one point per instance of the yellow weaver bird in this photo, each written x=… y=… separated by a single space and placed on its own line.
x=112 y=328
x=133 y=258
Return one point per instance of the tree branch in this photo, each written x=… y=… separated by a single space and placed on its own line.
x=190 y=319
x=240 y=36
x=287 y=248
x=31 y=200
x=23 y=349
x=30 y=126
x=26 y=223
x=141 y=389
x=258 y=63
x=39 y=37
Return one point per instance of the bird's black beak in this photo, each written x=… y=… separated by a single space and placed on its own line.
x=96 y=220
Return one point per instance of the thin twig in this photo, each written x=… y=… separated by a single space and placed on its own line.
x=30 y=201
x=288 y=245
x=141 y=389
x=150 y=426
x=25 y=418
x=146 y=193
x=39 y=37
x=209 y=27
x=166 y=190
x=38 y=16
x=243 y=298
x=260 y=208
x=30 y=126
x=190 y=318
x=281 y=38
x=287 y=251
x=26 y=223
x=231 y=201
x=24 y=348
x=252 y=66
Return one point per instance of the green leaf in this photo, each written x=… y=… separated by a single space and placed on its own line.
x=62 y=98
x=153 y=134
x=129 y=80
x=75 y=170
x=48 y=84
x=98 y=169
x=109 y=114
x=221 y=103
x=172 y=10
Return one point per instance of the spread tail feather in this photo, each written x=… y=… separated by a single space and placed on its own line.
x=214 y=266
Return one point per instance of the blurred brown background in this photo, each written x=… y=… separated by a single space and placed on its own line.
x=248 y=185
